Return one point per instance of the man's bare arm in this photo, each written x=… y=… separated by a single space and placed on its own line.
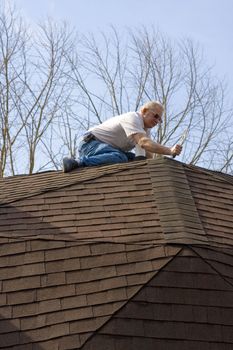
x=152 y=147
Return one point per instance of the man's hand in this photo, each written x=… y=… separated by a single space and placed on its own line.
x=176 y=150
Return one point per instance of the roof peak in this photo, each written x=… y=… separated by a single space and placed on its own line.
x=24 y=186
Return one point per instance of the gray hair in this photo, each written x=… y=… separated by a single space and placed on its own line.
x=152 y=104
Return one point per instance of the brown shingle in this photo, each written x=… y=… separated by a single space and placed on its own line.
x=151 y=315
x=20 y=297
x=70 y=342
x=10 y=339
x=22 y=283
x=55 y=292
x=129 y=256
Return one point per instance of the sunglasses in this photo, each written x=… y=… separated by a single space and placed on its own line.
x=157 y=117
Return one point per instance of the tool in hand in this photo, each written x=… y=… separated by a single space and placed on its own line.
x=182 y=139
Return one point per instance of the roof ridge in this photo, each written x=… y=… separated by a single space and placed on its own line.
x=224 y=177
x=177 y=209
x=83 y=176
x=60 y=238
x=210 y=172
x=212 y=267
x=101 y=171
x=133 y=295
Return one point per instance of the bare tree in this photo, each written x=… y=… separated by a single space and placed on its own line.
x=54 y=85
x=145 y=65
x=13 y=40
x=33 y=87
x=48 y=87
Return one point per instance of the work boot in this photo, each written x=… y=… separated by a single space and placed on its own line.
x=69 y=164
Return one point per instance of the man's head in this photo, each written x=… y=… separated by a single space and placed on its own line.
x=152 y=112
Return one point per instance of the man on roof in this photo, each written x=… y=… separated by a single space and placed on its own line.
x=112 y=141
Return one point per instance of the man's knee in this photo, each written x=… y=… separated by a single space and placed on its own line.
x=121 y=157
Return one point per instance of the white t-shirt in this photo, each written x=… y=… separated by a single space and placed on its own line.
x=117 y=131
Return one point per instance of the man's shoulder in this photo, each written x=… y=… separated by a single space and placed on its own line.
x=130 y=116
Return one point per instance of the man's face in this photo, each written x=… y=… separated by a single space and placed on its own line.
x=152 y=117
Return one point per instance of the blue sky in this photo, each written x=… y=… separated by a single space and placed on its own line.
x=208 y=22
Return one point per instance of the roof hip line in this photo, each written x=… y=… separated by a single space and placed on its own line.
x=177 y=210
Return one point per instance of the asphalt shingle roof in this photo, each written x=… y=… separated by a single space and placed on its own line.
x=126 y=256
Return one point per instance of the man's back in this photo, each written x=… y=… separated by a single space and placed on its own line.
x=117 y=130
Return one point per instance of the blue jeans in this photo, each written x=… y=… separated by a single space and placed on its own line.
x=96 y=153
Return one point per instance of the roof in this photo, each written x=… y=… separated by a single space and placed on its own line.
x=131 y=256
